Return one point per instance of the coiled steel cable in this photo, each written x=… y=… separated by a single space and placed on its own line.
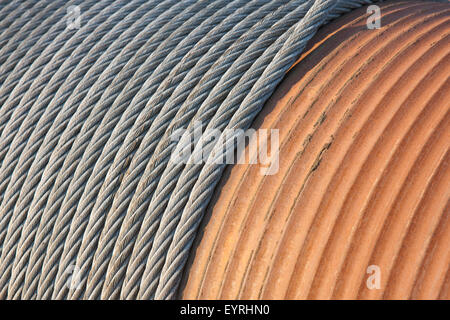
x=86 y=117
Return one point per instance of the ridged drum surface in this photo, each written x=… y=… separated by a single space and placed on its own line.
x=364 y=176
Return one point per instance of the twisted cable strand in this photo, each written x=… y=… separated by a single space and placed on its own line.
x=61 y=228
x=134 y=215
x=10 y=12
x=95 y=85
x=104 y=198
x=18 y=54
x=21 y=103
x=35 y=122
x=122 y=130
x=69 y=150
x=170 y=84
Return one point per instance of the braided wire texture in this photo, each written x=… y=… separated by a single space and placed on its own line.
x=86 y=117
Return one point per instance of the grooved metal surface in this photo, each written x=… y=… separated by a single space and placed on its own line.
x=364 y=172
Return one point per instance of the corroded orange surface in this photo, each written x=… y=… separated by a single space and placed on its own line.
x=364 y=176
